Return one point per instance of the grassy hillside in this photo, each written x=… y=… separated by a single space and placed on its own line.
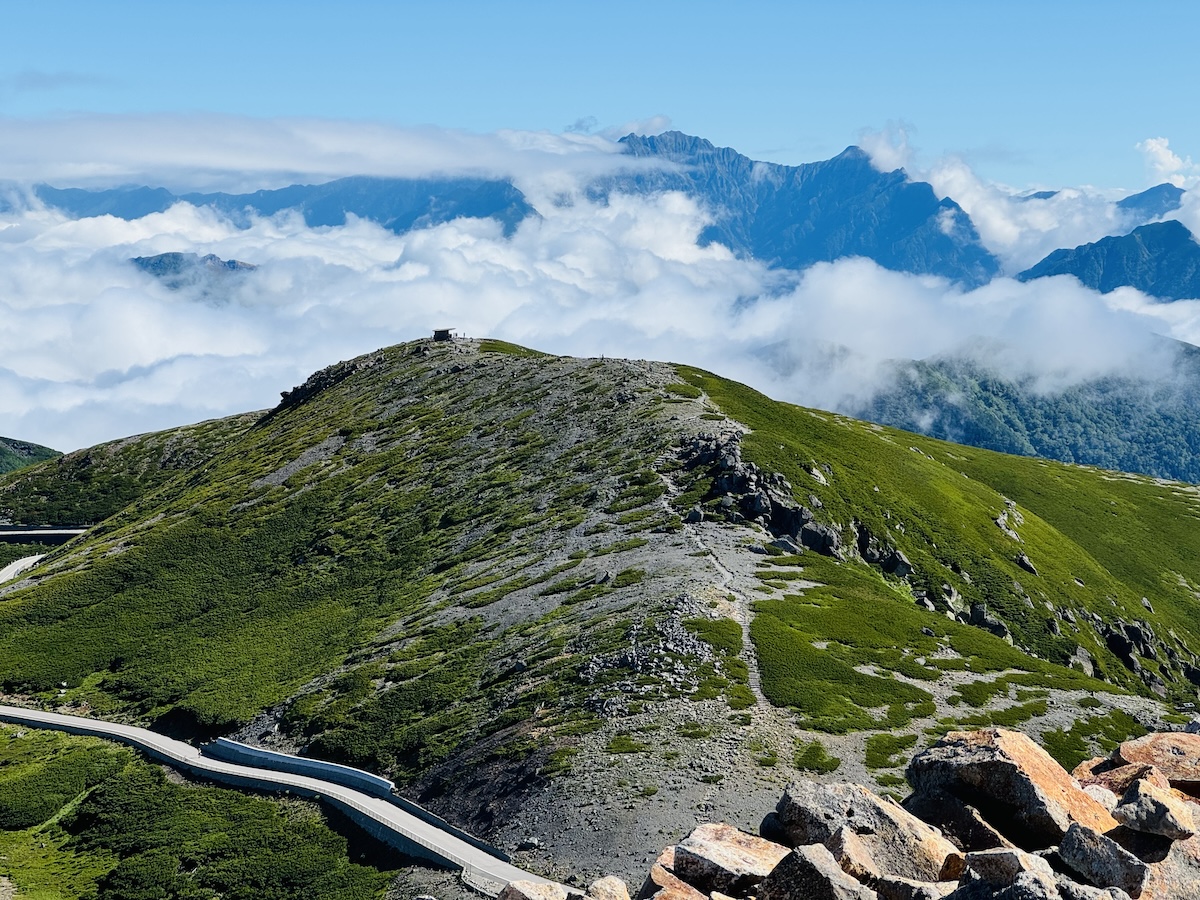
x=87 y=486
x=511 y=581
x=18 y=454
x=1100 y=542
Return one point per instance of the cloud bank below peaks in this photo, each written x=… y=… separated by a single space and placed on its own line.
x=94 y=349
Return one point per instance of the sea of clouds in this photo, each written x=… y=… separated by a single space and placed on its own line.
x=93 y=349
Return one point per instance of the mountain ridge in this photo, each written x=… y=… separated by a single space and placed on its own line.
x=516 y=583
x=1161 y=259
x=794 y=216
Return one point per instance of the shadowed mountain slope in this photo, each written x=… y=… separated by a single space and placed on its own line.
x=1147 y=424
x=16 y=454
x=1161 y=259
x=398 y=204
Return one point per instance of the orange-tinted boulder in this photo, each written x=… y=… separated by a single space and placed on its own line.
x=1016 y=785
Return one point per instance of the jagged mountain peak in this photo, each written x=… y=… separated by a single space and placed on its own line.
x=794 y=216
x=1161 y=259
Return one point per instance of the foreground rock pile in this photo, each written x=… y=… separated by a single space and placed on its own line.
x=992 y=817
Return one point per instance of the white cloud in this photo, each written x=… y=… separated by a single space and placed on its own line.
x=652 y=125
x=1021 y=230
x=889 y=147
x=1165 y=165
x=93 y=349
x=212 y=152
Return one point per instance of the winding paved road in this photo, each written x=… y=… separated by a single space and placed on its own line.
x=384 y=820
x=17 y=566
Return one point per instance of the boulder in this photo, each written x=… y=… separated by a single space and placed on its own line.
x=1102 y=861
x=822 y=538
x=719 y=857
x=1102 y=795
x=962 y=823
x=1030 y=886
x=1117 y=778
x=852 y=855
x=811 y=873
x=1000 y=868
x=892 y=887
x=662 y=883
x=1175 y=873
x=896 y=563
x=981 y=618
x=896 y=841
x=1018 y=788
x=1073 y=890
x=532 y=890
x=1151 y=809
x=610 y=887
x=1175 y=753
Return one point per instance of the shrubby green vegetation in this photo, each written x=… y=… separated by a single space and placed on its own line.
x=884 y=751
x=16 y=454
x=83 y=818
x=1126 y=423
x=813 y=757
x=352 y=557
x=12 y=552
x=434 y=557
x=1100 y=542
x=1089 y=737
x=87 y=486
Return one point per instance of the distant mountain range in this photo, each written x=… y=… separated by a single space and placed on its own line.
x=794 y=216
x=1161 y=259
x=785 y=216
x=791 y=217
x=398 y=204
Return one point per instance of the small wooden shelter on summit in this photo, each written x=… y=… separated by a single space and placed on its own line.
x=443 y=334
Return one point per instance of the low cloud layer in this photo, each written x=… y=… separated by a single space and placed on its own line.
x=94 y=349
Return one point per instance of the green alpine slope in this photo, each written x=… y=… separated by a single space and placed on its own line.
x=511 y=581
x=18 y=454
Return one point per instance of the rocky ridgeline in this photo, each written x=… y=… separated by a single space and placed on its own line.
x=744 y=492
x=991 y=817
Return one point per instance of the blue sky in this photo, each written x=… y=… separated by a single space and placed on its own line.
x=1046 y=93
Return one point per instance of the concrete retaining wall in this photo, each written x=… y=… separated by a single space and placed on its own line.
x=368 y=783
x=244 y=754
x=404 y=843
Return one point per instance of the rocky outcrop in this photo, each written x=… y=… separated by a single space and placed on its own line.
x=1050 y=839
x=811 y=873
x=746 y=493
x=722 y=858
x=893 y=838
x=1019 y=789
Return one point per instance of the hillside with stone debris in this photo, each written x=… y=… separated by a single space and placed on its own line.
x=575 y=605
